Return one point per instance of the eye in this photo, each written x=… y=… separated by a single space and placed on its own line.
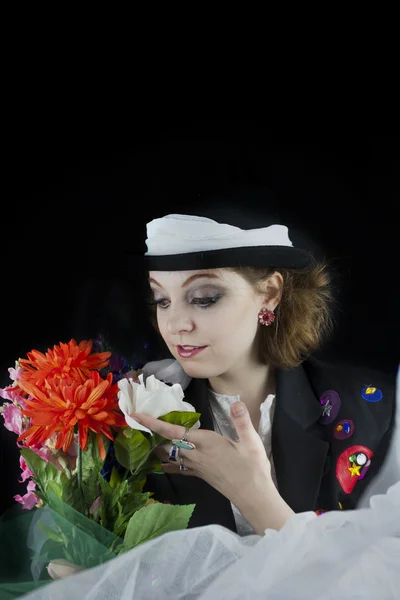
x=203 y=303
x=159 y=303
x=206 y=301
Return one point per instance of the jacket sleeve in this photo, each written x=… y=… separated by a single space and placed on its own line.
x=389 y=473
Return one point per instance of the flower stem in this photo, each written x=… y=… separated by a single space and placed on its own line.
x=80 y=467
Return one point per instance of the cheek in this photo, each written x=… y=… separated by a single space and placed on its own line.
x=235 y=325
x=162 y=324
x=243 y=330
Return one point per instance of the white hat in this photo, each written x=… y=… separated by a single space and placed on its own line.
x=188 y=242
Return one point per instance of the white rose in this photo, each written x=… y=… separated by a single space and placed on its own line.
x=154 y=398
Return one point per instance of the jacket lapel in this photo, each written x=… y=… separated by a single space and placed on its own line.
x=299 y=452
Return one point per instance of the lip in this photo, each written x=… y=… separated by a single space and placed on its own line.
x=189 y=353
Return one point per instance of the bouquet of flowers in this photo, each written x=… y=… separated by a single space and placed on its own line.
x=85 y=460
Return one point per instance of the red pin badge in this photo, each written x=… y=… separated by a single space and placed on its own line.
x=352 y=465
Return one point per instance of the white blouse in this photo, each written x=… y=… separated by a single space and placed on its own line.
x=220 y=408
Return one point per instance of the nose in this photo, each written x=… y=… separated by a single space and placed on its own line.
x=178 y=321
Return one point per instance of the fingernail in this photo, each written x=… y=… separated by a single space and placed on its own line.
x=239 y=409
x=134 y=416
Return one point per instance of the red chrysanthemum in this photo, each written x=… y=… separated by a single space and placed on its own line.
x=67 y=362
x=59 y=406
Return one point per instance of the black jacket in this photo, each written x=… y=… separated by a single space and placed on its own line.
x=317 y=466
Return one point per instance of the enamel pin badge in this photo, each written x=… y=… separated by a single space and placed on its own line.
x=352 y=465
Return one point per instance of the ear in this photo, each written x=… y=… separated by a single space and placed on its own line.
x=272 y=290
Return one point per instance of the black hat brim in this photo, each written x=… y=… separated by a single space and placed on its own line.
x=285 y=257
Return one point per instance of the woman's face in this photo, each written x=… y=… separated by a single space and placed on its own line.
x=215 y=310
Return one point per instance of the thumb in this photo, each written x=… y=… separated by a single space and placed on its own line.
x=242 y=422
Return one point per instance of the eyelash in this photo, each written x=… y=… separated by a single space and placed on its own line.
x=202 y=303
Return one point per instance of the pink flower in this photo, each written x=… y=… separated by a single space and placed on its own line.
x=13 y=394
x=59 y=459
x=26 y=472
x=8 y=393
x=47 y=455
x=29 y=500
x=73 y=449
x=96 y=506
x=13 y=418
x=15 y=374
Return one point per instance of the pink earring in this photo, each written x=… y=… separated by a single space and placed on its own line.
x=266 y=317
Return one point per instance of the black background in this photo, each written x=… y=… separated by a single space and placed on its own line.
x=80 y=204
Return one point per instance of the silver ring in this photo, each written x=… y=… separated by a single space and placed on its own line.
x=182 y=466
x=184 y=444
x=173 y=453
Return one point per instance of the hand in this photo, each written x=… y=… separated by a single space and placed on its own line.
x=239 y=470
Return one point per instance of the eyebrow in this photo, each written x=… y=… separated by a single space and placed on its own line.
x=192 y=278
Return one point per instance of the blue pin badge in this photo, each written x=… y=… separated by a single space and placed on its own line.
x=371 y=394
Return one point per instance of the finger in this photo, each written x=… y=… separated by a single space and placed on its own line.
x=166 y=430
x=242 y=422
x=172 y=469
x=162 y=452
x=190 y=456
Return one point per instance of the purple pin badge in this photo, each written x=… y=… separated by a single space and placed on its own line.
x=344 y=429
x=330 y=401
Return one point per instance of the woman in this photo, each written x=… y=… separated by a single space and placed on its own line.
x=298 y=446
x=241 y=311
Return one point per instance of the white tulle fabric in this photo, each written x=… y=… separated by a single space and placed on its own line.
x=338 y=555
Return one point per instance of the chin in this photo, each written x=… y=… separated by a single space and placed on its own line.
x=198 y=371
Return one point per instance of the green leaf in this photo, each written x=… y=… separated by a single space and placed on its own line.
x=152 y=465
x=176 y=417
x=132 y=452
x=118 y=493
x=53 y=487
x=155 y=520
x=134 y=502
x=111 y=497
x=50 y=533
x=90 y=457
x=51 y=550
x=136 y=484
x=184 y=418
x=120 y=502
x=43 y=471
x=115 y=479
x=127 y=431
x=90 y=461
x=125 y=511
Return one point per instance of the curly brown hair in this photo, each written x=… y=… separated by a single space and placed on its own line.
x=303 y=317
